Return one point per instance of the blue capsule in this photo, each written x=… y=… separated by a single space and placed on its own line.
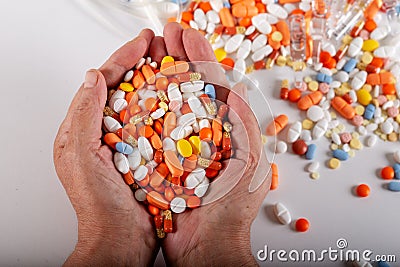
x=320 y=77
x=328 y=79
x=209 y=89
x=394 y=186
x=369 y=112
x=396 y=168
x=340 y=154
x=350 y=65
x=311 y=151
x=124 y=148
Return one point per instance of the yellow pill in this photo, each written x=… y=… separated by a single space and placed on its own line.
x=264 y=139
x=355 y=144
x=334 y=146
x=281 y=61
x=195 y=143
x=334 y=163
x=315 y=175
x=351 y=153
x=370 y=45
x=163 y=105
x=313 y=85
x=391 y=97
x=347 y=39
x=336 y=130
x=367 y=57
x=355 y=135
x=359 y=110
x=363 y=97
x=307 y=79
x=383 y=137
x=392 y=137
x=127 y=87
x=276 y=36
x=398 y=118
x=328 y=134
x=367 y=87
x=333 y=115
x=341 y=127
x=184 y=148
x=167 y=59
x=307 y=124
x=220 y=54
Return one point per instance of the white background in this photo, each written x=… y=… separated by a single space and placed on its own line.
x=46 y=47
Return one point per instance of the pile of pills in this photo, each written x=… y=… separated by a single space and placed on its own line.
x=169 y=136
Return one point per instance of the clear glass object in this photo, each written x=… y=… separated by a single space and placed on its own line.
x=297 y=28
x=392 y=14
x=123 y=17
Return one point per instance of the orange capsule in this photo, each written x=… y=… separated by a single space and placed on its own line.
x=176 y=181
x=173 y=68
x=187 y=16
x=344 y=109
x=261 y=8
x=146 y=131
x=156 y=179
x=156 y=199
x=190 y=163
x=245 y=22
x=277 y=125
x=217 y=156
x=309 y=100
x=226 y=17
x=216 y=131
x=386 y=78
x=148 y=74
x=226 y=141
x=132 y=98
x=283 y=28
x=158 y=156
x=294 y=95
x=241 y=10
x=162 y=83
x=173 y=163
x=134 y=109
x=211 y=173
x=169 y=194
x=119 y=132
x=153 y=210
x=162 y=169
x=193 y=202
x=275 y=176
x=206 y=134
x=228 y=63
x=155 y=141
x=128 y=178
x=151 y=104
x=370 y=25
x=169 y=123
x=138 y=80
x=158 y=128
x=111 y=139
x=389 y=89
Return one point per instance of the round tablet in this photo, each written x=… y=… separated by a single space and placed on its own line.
x=178 y=205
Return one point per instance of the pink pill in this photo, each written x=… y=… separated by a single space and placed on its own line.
x=392 y=112
x=303 y=87
x=323 y=88
x=345 y=137
x=364 y=34
x=357 y=120
x=381 y=99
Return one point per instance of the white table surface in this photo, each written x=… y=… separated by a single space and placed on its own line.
x=46 y=47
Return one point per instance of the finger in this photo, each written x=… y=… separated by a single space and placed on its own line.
x=198 y=49
x=148 y=35
x=87 y=110
x=157 y=49
x=173 y=41
x=262 y=176
x=123 y=60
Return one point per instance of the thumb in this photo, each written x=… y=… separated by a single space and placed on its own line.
x=87 y=109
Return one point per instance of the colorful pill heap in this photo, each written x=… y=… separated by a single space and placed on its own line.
x=169 y=136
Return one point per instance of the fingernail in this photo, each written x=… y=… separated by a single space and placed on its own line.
x=90 y=79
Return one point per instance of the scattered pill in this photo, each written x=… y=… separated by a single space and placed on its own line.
x=302 y=225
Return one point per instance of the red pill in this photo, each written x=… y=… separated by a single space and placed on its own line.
x=363 y=190
x=299 y=147
x=294 y=95
x=284 y=93
x=387 y=173
x=302 y=225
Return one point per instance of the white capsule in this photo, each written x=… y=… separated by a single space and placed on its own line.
x=178 y=205
x=371 y=140
x=319 y=129
x=140 y=173
x=121 y=163
x=145 y=148
x=331 y=94
x=384 y=51
x=144 y=94
x=118 y=105
x=134 y=159
x=128 y=76
x=342 y=76
x=353 y=73
x=250 y=30
x=260 y=22
x=181 y=132
x=157 y=114
x=387 y=104
x=355 y=47
x=372 y=127
x=259 y=42
x=289 y=7
x=193 y=25
x=202 y=188
x=186 y=119
x=281 y=147
x=239 y=69
x=216 y=5
x=210 y=28
x=200 y=18
x=234 y=43
x=335 y=84
x=195 y=178
x=340 y=64
x=359 y=80
x=318 y=66
x=326 y=71
x=196 y=127
x=213 y=17
x=205 y=150
x=197 y=108
x=244 y=49
x=379 y=33
x=282 y=213
x=261 y=53
x=336 y=138
x=346 y=147
x=140 y=63
x=386 y=127
x=111 y=124
x=294 y=132
x=191 y=87
x=277 y=11
x=313 y=167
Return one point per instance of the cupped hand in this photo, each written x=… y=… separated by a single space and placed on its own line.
x=218 y=233
x=113 y=228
